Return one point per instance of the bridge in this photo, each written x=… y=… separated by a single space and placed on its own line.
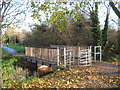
x=63 y=56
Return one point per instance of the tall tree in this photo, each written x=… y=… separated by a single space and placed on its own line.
x=117 y=12
x=95 y=25
x=105 y=30
x=10 y=12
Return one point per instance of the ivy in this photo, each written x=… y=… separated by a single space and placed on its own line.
x=104 y=32
x=97 y=39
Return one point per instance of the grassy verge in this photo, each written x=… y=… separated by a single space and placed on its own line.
x=18 y=48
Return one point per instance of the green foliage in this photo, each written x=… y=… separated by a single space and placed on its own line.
x=18 y=48
x=111 y=53
x=95 y=26
x=58 y=19
x=4 y=38
x=56 y=13
x=8 y=68
x=111 y=49
x=104 y=32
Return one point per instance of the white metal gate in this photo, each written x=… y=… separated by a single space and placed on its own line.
x=84 y=57
x=68 y=57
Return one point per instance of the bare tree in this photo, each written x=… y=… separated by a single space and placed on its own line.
x=12 y=11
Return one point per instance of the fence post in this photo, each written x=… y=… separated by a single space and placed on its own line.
x=79 y=56
x=26 y=51
x=73 y=55
x=58 y=56
x=70 y=59
x=95 y=53
x=86 y=57
x=64 y=57
x=100 y=53
x=90 y=52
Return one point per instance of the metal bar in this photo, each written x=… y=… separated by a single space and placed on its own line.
x=90 y=55
x=70 y=59
x=95 y=53
x=100 y=54
x=73 y=55
x=64 y=57
x=79 y=54
x=86 y=58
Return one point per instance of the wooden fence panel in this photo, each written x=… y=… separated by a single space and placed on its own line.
x=42 y=53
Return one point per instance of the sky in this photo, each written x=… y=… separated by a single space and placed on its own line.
x=113 y=16
x=102 y=15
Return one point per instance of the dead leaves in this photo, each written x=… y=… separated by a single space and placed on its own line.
x=86 y=78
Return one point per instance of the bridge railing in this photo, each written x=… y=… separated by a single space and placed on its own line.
x=42 y=53
x=63 y=54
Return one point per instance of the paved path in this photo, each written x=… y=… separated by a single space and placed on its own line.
x=9 y=50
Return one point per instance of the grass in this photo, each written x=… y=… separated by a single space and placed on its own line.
x=18 y=48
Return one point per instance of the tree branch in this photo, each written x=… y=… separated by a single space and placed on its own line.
x=117 y=12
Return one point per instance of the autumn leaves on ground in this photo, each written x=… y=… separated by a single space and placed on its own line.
x=72 y=78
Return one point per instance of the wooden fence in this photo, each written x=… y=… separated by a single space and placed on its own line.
x=42 y=53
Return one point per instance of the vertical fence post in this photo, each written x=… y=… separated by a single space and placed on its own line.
x=79 y=56
x=26 y=51
x=73 y=55
x=95 y=53
x=100 y=53
x=70 y=59
x=90 y=55
x=64 y=57
x=86 y=57
x=58 y=56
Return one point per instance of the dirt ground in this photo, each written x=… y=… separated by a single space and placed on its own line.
x=101 y=67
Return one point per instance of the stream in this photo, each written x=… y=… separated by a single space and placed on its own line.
x=9 y=50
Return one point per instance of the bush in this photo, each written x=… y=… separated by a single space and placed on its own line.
x=7 y=68
x=111 y=50
x=78 y=33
